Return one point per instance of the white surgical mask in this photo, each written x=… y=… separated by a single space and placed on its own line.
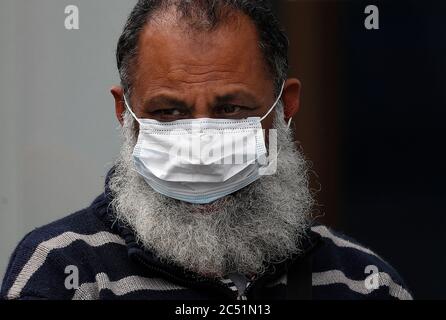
x=200 y=160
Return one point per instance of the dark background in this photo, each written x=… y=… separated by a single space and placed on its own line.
x=372 y=123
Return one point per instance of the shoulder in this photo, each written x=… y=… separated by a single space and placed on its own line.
x=40 y=258
x=349 y=270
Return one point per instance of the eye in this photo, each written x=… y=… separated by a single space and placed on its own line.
x=229 y=109
x=232 y=109
x=169 y=113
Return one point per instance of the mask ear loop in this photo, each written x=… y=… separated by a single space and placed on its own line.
x=289 y=123
x=130 y=110
x=275 y=103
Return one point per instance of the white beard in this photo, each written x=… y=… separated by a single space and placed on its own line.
x=243 y=232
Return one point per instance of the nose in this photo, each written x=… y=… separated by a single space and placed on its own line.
x=202 y=108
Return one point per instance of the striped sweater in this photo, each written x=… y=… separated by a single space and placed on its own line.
x=87 y=255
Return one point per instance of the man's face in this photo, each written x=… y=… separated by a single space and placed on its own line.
x=182 y=73
x=213 y=74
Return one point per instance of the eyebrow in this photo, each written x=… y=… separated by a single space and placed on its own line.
x=164 y=100
x=243 y=96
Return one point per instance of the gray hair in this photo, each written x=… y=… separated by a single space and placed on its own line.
x=206 y=14
x=244 y=232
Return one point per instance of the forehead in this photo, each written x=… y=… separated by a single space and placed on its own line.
x=173 y=54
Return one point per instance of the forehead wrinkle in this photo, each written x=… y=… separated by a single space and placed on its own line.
x=164 y=35
x=199 y=76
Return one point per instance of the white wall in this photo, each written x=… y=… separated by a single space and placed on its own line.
x=58 y=134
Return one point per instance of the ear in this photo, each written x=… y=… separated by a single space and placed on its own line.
x=291 y=98
x=118 y=95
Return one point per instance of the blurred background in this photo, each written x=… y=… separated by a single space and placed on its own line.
x=371 y=122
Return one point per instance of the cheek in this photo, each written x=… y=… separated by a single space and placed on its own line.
x=268 y=122
x=267 y=125
x=267 y=136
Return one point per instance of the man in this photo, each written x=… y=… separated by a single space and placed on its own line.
x=171 y=226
